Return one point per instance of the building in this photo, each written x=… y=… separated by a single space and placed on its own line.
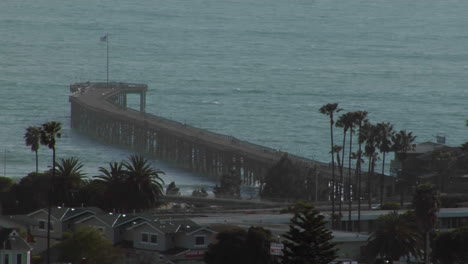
x=13 y=248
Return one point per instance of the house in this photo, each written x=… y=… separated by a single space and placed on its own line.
x=13 y=248
x=112 y=225
x=163 y=235
x=61 y=220
x=433 y=163
x=139 y=232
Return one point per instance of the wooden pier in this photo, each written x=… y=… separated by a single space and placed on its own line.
x=100 y=111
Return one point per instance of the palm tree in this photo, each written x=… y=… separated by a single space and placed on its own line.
x=369 y=134
x=396 y=236
x=49 y=133
x=402 y=143
x=336 y=150
x=69 y=177
x=114 y=181
x=360 y=119
x=385 y=145
x=330 y=110
x=345 y=121
x=144 y=183
x=32 y=138
x=426 y=205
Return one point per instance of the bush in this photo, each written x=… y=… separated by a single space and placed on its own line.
x=391 y=206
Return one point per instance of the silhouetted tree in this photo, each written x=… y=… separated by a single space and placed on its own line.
x=32 y=138
x=330 y=110
x=238 y=246
x=49 y=133
x=426 y=205
x=144 y=183
x=396 y=236
x=308 y=241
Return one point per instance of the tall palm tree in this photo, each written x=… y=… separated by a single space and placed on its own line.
x=402 y=143
x=144 y=183
x=114 y=181
x=396 y=236
x=369 y=136
x=69 y=176
x=49 y=134
x=345 y=121
x=330 y=110
x=360 y=119
x=426 y=205
x=339 y=186
x=385 y=145
x=32 y=138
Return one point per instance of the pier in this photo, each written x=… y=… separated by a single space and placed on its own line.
x=99 y=109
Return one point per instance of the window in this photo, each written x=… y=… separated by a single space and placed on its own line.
x=199 y=240
x=149 y=238
x=42 y=224
x=19 y=259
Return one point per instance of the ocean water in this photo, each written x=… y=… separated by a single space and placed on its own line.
x=258 y=70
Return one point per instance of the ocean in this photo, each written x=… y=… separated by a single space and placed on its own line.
x=258 y=70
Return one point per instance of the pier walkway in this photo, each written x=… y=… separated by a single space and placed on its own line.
x=100 y=111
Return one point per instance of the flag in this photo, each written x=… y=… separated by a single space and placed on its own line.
x=103 y=38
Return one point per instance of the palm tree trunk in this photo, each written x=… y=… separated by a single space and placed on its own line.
x=350 y=199
x=369 y=195
x=333 y=173
x=51 y=192
x=37 y=163
x=358 y=170
x=341 y=174
x=382 y=181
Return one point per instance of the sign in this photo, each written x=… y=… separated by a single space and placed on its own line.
x=276 y=249
x=194 y=253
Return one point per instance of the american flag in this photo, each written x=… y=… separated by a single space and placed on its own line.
x=103 y=38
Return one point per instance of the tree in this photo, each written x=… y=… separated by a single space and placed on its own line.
x=339 y=186
x=396 y=236
x=308 y=241
x=32 y=191
x=238 y=246
x=330 y=110
x=370 y=134
x=229 y=186
x=144 y=183
x=360 y=119
x=385 y=145
x=114 y=183
x=32 y=138
x=49 y=133
x=450 y=247
x=279 y=183
x=87 y=244
x=68 y=180
x=6 y=184
x=346 y=121
x=426 y=205
x=402 y=143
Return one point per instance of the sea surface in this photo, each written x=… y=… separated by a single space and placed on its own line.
x=258 y=70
